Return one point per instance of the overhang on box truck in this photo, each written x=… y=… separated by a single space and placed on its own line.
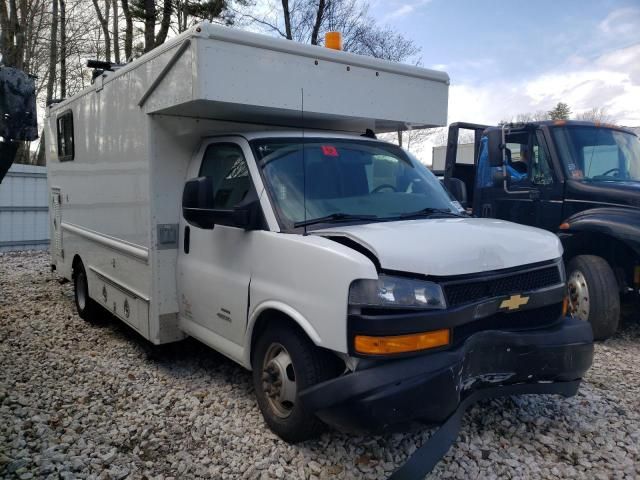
x=225 y=186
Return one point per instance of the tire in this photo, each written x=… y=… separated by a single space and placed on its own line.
x=87 y=308
x=308 y=366
x=594 y=294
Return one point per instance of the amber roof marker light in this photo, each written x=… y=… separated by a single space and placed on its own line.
x=333 y=40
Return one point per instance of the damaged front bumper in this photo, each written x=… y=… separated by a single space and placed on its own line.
x=430 y=387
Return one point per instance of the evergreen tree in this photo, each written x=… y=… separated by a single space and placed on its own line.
x=560 y=112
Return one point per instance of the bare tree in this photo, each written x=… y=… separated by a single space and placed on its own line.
x=12 y=38
x=63 y=48
x=104 y=23
x=286 y=13
x=307 y=20
x=53 y=50
x=116 y=32
x=128 y=31
x=596 y=114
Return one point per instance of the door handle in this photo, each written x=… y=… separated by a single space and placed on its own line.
x=534 y=194
x=186 y=240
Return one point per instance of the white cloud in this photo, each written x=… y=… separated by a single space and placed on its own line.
x=622 y=22
x=400 y=9
x=612 y=81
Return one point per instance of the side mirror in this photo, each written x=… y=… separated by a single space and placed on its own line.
x=197 y=207
x=495 y=147
x=459 y=191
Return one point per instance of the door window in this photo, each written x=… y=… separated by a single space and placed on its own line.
x=527 y=160
x=225 y=163
x=541 y=172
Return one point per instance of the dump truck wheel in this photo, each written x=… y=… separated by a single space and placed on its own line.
x=285 y=363
x=593 y=294
x=87 y=308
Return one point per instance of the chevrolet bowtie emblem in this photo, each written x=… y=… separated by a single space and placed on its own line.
x=514 y=302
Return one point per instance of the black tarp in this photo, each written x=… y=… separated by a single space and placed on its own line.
x=18 y=120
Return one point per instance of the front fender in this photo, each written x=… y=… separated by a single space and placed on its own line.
x=622 y=224
x=287 y=310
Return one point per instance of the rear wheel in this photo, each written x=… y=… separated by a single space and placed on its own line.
x=285 y=363
x=593 y=294
x=86 y=307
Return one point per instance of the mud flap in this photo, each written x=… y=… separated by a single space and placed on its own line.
x=431 y=452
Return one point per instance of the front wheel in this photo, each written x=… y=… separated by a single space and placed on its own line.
x=593 y=294
x=285 y=363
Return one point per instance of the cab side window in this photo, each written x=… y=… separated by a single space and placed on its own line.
x=225 y=163
x=541 y=172
x=64 y=123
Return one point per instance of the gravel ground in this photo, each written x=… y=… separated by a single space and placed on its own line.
x=96 y=401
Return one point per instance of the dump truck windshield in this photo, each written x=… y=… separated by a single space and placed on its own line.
x=593 y=153
x=347 y=180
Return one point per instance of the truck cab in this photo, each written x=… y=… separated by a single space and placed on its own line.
x=580 y=180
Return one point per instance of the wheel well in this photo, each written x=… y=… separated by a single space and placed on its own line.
x=620 y=257
x=77 y=262
x=271 y=317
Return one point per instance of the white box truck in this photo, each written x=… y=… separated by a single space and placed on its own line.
x=220 y=187
x=465 y=156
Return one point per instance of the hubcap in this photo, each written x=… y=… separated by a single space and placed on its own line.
x=279 y=380
x=81 y=288
x=578 y=296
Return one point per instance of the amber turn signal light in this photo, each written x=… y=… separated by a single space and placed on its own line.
x=565 y=306
x=401 y=343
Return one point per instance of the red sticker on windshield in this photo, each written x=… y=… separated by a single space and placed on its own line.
x=329 y=151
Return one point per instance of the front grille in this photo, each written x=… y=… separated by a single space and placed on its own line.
x=523 y=320
x=460 y=293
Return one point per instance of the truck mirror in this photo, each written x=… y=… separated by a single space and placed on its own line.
x=495 y=147
x=197 y=202
x=197 y=207
x=459 y=191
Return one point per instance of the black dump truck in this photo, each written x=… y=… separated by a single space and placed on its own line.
x=580 y=180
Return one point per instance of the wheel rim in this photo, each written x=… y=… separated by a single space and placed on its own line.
x=279 y=380
x=578 y=296
x=81 y=288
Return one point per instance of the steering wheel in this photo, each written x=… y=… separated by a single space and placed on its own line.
x=384 y=185
x=611 y=170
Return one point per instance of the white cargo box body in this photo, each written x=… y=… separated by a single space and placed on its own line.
x=233 y=75
x=465 y=156
x=117 y=203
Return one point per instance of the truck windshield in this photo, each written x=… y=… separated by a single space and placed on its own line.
x=598 y=154
x=333 y=180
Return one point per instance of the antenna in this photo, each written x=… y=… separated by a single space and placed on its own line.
x=304 y=168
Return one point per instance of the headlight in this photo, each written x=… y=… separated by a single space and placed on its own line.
x=396 y=292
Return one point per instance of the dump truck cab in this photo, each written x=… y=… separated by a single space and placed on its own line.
x=580 y=180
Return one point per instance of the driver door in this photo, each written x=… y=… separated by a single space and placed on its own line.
x=214 y=267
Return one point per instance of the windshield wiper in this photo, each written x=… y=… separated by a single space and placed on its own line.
x=334 y=217
x=430 y=212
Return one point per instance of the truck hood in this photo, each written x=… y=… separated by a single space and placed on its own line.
x=451 y=246
x=621 y=193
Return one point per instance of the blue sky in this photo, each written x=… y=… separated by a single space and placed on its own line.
x=510 y=57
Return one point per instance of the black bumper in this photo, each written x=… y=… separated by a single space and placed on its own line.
x=430 y=387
